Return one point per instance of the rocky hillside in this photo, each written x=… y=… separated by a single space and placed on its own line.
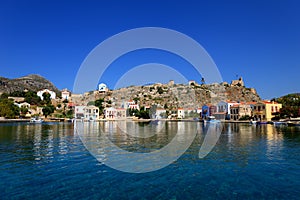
x=183 y=96
x=31 y=82
x=172 y=96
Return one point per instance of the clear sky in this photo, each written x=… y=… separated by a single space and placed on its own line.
x=258 y=40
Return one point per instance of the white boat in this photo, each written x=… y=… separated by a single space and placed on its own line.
x=212 y=119
x=36 y=120
x=253 y=122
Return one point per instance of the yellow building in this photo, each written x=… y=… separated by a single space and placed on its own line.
x=265 y=110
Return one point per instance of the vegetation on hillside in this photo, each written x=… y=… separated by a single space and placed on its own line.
x=290 y=105
x=7 y=107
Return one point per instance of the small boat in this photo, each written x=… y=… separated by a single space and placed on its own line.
x=261 y=122
x=293 y=123
x=36 y=120
x=212 y=119
x=279 y=123
x=253 y=122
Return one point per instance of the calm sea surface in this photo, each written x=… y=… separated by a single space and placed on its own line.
x=49 y=161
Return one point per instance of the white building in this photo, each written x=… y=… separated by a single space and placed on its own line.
x=65 y=94
x=24 y=104
x=180 y=113
x=41 y=92
x=91 y=113
x=132 y=105
x=115 y=113
x=102 y=87
x=199 y=110
x=79 y=112
x=224 y=107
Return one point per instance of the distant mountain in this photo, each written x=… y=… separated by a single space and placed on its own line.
x=31 y=82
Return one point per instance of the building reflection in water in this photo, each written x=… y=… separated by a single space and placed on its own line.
x=42 y=142
x=160 y=134
x=243 y=141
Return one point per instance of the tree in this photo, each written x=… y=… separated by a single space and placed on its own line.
x=17 y=94
x=4 y=96
x=47 y=98
x=99 y=104
x=23 y=110
x=136 y=99
x=142 y=113
x=70 y=114
x=8 y=109
x=48 y=110
x=32 y=98
x=290 y=105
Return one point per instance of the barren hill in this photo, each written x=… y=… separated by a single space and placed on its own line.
x=31 y=82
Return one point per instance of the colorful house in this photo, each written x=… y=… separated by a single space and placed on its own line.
x=265 y=110
x=240 y=110
x=224 y=107
x=205 y=111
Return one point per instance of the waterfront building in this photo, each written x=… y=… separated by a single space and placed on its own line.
x=115 y=113
x=265 y=110
x=224 y=108
x=240 y=110
x=205 y=111
x=91 y=113
x=180 y=113
x=79 y=112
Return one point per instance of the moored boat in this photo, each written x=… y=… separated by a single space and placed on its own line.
x=293 y=123
x=279 y=123
x=36 y=120
x=212 y=119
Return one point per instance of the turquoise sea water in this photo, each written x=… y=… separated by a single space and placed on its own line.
x=49 y=161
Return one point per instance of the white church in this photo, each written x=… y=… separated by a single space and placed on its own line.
x=102 y=88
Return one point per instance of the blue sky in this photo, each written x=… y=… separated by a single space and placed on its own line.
x=258 y=40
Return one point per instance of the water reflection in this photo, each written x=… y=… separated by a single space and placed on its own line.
x=247 y=162
x=45 y=141
x=35 y=142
